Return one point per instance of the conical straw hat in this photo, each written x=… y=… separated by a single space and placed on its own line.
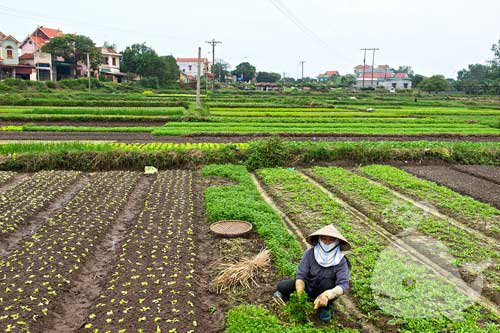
x=331 y=231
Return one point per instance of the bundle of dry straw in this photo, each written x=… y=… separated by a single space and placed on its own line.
x=242 y=273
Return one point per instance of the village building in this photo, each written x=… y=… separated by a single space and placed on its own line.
x=110 y=68
x=189 y=67
x=328 y=76
x=381 y=77
x=31 y=52
x=9 y=60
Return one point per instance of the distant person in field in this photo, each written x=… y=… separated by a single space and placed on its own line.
x=323 y=272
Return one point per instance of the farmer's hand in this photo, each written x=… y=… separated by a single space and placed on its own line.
x=328 y=295
x=300 y=286
x=321 y=301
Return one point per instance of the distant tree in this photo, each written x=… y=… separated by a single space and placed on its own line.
x=142 y=60
x=245 y=69
x=268 y=77
x=74 y=48
x=169 y=71
x=154 y=70
x=434 y=83
x=348 y=80
x=406 y=69
x=416 y=79
x=220 y=71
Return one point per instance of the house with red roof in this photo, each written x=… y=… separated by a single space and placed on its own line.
x=38 y=38
x=9 y=60
x=31 y=52
x=328 y=76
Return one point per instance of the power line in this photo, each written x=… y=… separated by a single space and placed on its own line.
x=36 y=16
x=278 y=4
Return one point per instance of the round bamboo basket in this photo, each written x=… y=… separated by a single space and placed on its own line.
x=231 y=228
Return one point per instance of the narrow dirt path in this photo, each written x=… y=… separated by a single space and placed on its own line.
x=37 y=220
x=347 y=302
x=433 y=211
x=403 y=246
x=72 y=309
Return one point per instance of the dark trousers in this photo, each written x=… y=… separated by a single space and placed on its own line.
x=287 y=287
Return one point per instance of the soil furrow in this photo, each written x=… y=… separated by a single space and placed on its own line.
x=345 y=300
x=70 y=313
x=480 y=189
x=14 y=181
x=401 y=244
x=9 y=243
x=433 y=211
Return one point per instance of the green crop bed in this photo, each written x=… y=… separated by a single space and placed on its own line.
x=397 y=215
x=310 y=208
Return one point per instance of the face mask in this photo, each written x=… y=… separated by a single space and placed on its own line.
x=329 y=248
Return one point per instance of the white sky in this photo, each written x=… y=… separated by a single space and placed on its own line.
x=432 y=36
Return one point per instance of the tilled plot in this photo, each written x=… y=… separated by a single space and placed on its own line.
x=151 y=287
x=33 y=277
x=487 y=172
x=22 y=201
x=476 y=187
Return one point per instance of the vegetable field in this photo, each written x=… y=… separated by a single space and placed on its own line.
x=240 y=114
x=120 y=251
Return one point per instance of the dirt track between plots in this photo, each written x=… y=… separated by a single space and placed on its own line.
x=147 y=137
x=461 y=182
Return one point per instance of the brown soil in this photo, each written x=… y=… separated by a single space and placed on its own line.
x=486 y=172
x=36 y=221
x=461 y=182
x=70 y=313
x=14 y=181
x=147 y=137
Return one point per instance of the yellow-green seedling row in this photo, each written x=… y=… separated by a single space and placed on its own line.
x=22 y=201
x=152 y=286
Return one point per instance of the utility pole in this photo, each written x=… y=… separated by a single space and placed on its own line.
x=88 y=69
x=373 y=63
x=302 y=62
x=364 y=63
x=198 y=102
x=213 y=42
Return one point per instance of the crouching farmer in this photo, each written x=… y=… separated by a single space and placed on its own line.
x=323 y=272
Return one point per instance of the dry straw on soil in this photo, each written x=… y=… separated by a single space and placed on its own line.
x=243 y=273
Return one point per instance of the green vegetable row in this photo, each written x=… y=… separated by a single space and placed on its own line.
x=471 y=212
